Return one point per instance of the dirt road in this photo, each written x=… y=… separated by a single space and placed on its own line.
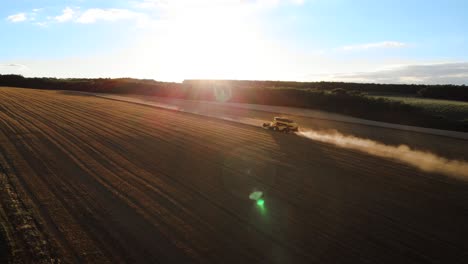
x=117 y=182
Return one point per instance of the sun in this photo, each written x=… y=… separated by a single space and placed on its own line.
x=221 y=42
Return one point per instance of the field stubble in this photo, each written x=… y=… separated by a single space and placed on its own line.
x=117 y=182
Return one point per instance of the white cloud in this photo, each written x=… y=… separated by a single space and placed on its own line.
x=438 y=73
x=376 y=45
x=67 y=15
x=111 y=15
x=25 y=16
x=88 y=16
x=41 y=24
x=20 y=17
x=163 y=9
x=12 y=68
x=165 y=4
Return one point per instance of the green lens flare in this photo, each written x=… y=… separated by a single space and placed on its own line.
x=260 y=202
x=256 y=195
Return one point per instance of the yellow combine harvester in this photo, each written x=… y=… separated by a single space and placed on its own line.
x=281 y=124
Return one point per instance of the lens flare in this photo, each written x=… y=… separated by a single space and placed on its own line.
x=260 y=202
x=257 y=195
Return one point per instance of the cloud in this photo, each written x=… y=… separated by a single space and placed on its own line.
x=20 y=17
x=89 y=16
x=67 y=15
x=25 y=16
x=439 y=73
x=12 y=68
x=41 y=24
x=139 y=11
x=376 y=45
x=165 y=4
x=12 y=65
x=111 y=15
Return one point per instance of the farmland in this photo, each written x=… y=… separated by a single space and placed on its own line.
x=109 y=181
x=456 y=110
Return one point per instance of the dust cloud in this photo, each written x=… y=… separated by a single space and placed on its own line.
x=425 y=161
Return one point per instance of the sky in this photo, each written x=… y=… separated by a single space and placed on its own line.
x=385 y=41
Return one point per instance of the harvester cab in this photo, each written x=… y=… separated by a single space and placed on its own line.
x=281 y=124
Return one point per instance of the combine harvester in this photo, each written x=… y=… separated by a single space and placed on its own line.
x=281 y=124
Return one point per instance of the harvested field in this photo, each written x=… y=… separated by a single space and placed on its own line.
x=114 y=182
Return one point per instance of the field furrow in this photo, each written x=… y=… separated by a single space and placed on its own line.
x=117 y=182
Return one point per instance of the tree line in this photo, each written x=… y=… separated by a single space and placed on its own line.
x=445 y=91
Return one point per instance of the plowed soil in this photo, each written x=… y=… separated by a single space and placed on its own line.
x=116 y=182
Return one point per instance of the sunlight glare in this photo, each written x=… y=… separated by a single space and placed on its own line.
x=216 y=43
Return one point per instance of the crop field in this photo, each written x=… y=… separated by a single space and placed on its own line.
x=92 y=180
x=457 y=110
